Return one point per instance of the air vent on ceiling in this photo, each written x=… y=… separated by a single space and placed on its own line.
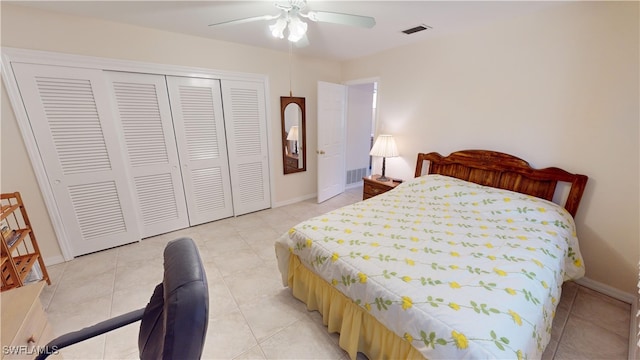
x=416 y=29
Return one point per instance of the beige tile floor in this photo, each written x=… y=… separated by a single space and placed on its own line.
x=251 y=315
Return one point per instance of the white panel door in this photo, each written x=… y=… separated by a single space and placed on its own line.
x=246 y=130
x=331 y=139
x=196 y=105
x=70 y=114
x=141 y=106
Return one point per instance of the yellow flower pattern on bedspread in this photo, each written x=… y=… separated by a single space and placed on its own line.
x=454 y=268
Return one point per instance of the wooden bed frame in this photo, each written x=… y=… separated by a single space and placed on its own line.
x=504 y=171
x=490 y=168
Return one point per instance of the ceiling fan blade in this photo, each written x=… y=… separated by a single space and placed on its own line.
x=343 y=19
x=246 y=20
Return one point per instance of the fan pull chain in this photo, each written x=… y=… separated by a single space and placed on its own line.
x=290 y=71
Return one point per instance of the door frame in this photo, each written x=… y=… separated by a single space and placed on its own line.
x=10 y=55
x=369 y=80
x=375 y=119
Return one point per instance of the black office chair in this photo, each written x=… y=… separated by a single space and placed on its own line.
x=174 y=322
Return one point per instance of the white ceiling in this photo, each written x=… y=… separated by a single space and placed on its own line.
x=326 y=40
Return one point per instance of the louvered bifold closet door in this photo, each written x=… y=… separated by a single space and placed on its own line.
x=144 y=117
x=70 y=114
x=196 y=106
x=246 y=129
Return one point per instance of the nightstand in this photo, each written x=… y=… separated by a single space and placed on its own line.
x=25 y=328
x=373 y=187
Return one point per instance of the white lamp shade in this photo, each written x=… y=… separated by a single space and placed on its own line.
x=385 y=146
x=297 y=29
x=293 y=133
x=277 y=29
x=289 y=20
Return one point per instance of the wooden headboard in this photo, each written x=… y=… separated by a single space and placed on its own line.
x=505 y=171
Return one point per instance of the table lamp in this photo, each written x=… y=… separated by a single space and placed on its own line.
x=293 y=136
x=385 y=147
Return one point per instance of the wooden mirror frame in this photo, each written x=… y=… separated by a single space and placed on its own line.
x=291 y=162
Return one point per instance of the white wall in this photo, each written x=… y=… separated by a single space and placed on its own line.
x=39 y=30
x=556 y=88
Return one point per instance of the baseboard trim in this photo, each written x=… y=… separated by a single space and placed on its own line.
x=294 y=200
x=354 y=185
x=622 y=296
x=53 y=260
x=607 y=290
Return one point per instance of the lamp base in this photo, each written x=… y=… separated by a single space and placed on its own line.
x=383 y=178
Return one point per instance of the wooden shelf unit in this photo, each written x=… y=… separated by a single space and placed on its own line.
x=19 y=251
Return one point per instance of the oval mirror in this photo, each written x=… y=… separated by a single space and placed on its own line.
x=294 y=152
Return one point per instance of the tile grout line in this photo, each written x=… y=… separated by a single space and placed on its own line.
x=564 y=323
x=237 y=304
x=113 y=288
x=55 y=287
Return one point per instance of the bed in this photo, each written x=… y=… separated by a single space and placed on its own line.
x=466 y=260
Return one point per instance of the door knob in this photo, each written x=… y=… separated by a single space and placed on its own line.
x=321 y=152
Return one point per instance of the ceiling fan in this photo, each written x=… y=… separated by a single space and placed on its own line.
x=290 y=16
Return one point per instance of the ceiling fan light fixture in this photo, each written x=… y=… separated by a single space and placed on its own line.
x=311 y=15
x=292 y=19
x=277 y=29
x=297 y=29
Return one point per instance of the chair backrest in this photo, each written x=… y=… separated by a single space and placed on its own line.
x=174 y=324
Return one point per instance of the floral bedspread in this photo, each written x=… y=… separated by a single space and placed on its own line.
x=457 y=269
